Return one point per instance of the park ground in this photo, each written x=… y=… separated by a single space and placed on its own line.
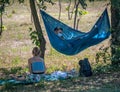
x=16 y=46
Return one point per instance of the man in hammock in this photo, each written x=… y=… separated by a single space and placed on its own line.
x=59 y=32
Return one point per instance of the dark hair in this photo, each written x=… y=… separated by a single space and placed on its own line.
x=58 y=28
x=36 y=51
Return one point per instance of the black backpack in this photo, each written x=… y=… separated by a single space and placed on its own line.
x=85 y=68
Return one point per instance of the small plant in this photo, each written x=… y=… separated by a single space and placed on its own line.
x=82 y=12
x=103 y=55
x=15 y=70
x=99 y=68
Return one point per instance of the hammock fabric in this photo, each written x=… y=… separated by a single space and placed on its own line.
x=75 y=41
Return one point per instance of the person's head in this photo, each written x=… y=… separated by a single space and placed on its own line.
x=36 y=51
x=58 y=30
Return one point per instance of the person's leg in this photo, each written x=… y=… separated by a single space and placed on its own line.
x=19 y=78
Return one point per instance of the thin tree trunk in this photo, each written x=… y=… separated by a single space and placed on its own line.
x=38 y=28
x=75 y=16
x=115 y=33
x=59 y=9
x=69 y=9
x=73 y=9
x=77 y=24
x=1 y=22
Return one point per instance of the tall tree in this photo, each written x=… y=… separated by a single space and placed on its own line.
x=115 y=32
x=38 y=28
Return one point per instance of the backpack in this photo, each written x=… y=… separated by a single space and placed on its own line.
x=85 y=68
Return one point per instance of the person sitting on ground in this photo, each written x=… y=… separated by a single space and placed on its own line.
x=32 y=76
x=59 y=31
x=36 y=58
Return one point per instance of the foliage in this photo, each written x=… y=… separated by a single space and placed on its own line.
x=4 y=1
x=115 y=34
x=34 y=37
x=116 y=57
x=103 y=55
x=81 y=12
x=83 y=3
x=101 y=68
x=41 y=3
x=15 y=70
x=2 y=8
x=4 y=28
x=115 y=3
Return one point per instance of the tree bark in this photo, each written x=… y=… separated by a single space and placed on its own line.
x=69 y=9
x=72 y=11
x=75 y=16
x=38 y=28
x=1 y=22
x=115 y=32
x=59 y=9
x=77 y=24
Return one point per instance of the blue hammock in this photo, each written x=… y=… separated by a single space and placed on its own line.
x=76 y=41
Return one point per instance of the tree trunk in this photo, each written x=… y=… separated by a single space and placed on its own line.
x=38 y=28
x=69 y=9
x=115 y=32
x=75 y=16
x=72 y=11
x=1 y=22
x=59 y=9
x=77 y=24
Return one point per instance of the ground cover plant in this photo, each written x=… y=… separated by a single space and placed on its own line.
x=16 y=46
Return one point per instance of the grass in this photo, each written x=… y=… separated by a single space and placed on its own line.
x=16 y=46
x=100 y=83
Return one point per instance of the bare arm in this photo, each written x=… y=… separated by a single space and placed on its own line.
x=29 y=65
